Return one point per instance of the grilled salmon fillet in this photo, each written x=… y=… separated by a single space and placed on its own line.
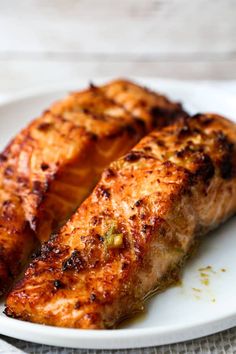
x=132 y=235
x=53 y=164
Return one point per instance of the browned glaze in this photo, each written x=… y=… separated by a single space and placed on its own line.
x=132 y=235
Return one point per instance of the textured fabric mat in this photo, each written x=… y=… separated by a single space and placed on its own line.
x=220 y=343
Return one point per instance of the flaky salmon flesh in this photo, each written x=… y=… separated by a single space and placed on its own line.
x=53 y=164
x=132 y=235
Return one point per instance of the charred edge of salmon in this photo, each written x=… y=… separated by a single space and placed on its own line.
x=160 y=116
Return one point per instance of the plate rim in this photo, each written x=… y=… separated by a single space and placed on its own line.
x=147 y=337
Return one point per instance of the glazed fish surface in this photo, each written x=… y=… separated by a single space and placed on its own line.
x=53 y=164
x=132 y=235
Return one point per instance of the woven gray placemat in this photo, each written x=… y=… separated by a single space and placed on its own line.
x=219 y=343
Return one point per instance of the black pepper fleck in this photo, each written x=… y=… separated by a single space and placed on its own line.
x=138 y=203
x=132 y=157
x=44 y=166
x=73 y=262
x=93 y=297
x=58 y=284
x=77 y=305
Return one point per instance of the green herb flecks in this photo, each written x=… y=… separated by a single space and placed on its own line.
x=113 y=239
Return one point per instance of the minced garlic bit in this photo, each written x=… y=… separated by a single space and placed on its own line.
x=207 y=269
x=205 y=281
x=197 y=290
x=113 y=239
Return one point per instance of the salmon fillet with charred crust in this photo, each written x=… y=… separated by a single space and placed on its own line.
x=52 y=165
x=131 y=237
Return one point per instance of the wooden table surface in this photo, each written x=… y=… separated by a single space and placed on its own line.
x=48 y=42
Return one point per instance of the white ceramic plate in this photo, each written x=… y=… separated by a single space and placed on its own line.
x=203 y=304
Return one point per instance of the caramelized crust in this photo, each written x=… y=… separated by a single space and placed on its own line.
x=143 y=103
x=134 y=232
x=53 y=164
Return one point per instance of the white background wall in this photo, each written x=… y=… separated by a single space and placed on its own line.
x=50 y=41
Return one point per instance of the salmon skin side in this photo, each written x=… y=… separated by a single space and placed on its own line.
x=52 y=165
x=132 y=235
